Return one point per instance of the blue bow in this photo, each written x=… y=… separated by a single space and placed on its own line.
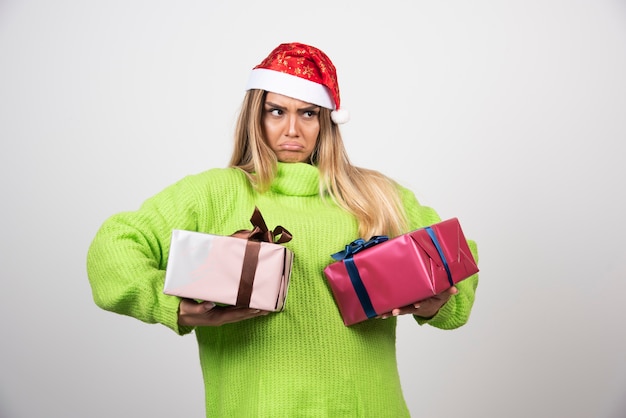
x=346 y=255
x=358 y=245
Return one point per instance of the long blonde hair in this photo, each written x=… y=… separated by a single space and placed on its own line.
x=369 y=195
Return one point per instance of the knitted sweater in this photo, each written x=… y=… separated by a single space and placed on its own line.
x=300 y=362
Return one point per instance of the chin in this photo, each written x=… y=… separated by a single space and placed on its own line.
x=292 y=158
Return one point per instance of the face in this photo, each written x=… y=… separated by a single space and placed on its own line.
x=291 y=127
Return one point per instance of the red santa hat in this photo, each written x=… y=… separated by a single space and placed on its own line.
x=302 y=72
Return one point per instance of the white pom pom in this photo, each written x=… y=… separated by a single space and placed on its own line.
x=340 y=116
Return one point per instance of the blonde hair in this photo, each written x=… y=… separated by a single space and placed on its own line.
x=369 y=195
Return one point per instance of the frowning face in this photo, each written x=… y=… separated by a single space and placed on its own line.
x=291 y=127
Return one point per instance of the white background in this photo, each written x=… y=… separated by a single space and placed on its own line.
x=510 y=115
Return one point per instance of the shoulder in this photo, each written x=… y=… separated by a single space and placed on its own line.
x=418 y=214
x=196 y=189
x=215 y=178
x=224 y=174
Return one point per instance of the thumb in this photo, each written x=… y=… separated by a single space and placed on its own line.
x=208 y=306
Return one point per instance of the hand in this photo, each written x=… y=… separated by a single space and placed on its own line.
x=192 y=313
x=426 y=308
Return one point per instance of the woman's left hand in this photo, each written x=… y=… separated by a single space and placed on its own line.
x=426 y=308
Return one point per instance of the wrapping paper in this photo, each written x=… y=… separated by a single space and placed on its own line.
x=248 y=269
x=374 y=277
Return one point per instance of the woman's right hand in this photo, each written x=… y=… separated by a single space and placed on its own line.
x=192 y=313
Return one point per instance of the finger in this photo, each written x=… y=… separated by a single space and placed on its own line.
x=190 y=306
x=251 y=313
x=248 y=314
x=384 y=315
x=239 y=314
x=207 y=306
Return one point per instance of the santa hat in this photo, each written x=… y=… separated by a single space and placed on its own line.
x=302 y=72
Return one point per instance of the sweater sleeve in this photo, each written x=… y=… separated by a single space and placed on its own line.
x=127 y=258
x=456 y=311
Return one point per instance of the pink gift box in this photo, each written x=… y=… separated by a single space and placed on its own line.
x=374 y=277
x=230 y=270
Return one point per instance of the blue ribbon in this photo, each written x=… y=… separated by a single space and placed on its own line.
x=433 y=237
x=359 y=245
x=353 y=272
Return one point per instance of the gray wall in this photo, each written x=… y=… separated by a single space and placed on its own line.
x=508 y=115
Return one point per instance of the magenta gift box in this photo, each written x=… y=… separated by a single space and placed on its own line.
x=371 y=278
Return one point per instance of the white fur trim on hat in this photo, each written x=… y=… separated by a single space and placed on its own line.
x=291 y=86
x=340 y=116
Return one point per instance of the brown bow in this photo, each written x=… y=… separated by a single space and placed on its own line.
x=260 y=233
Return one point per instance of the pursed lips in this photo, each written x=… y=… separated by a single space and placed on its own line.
x=291 y=146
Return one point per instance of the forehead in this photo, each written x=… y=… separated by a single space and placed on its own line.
x=286 y=100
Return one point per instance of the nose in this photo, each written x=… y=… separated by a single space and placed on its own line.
x=292 y=127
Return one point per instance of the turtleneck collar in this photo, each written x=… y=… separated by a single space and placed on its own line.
x=296 y=179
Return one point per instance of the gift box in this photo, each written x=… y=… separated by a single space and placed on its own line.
x=247 y=269
x=374 y=277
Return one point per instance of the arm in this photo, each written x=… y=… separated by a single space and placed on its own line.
x=452 y=308
x=127 y=258
x=456 y=311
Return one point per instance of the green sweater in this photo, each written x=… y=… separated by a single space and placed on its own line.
x=302 y=361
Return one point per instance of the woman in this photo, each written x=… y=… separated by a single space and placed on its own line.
x=290 y=162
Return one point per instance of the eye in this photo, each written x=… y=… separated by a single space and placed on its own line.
x=309 y=114
x=275 y=112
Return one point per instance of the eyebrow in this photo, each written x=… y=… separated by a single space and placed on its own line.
x=303 y=109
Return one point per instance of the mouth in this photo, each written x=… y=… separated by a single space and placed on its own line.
x=291 y=146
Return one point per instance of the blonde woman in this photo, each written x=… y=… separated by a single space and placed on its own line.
x=290 y=162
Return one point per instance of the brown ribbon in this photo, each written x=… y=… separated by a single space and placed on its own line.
x=259 y=234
